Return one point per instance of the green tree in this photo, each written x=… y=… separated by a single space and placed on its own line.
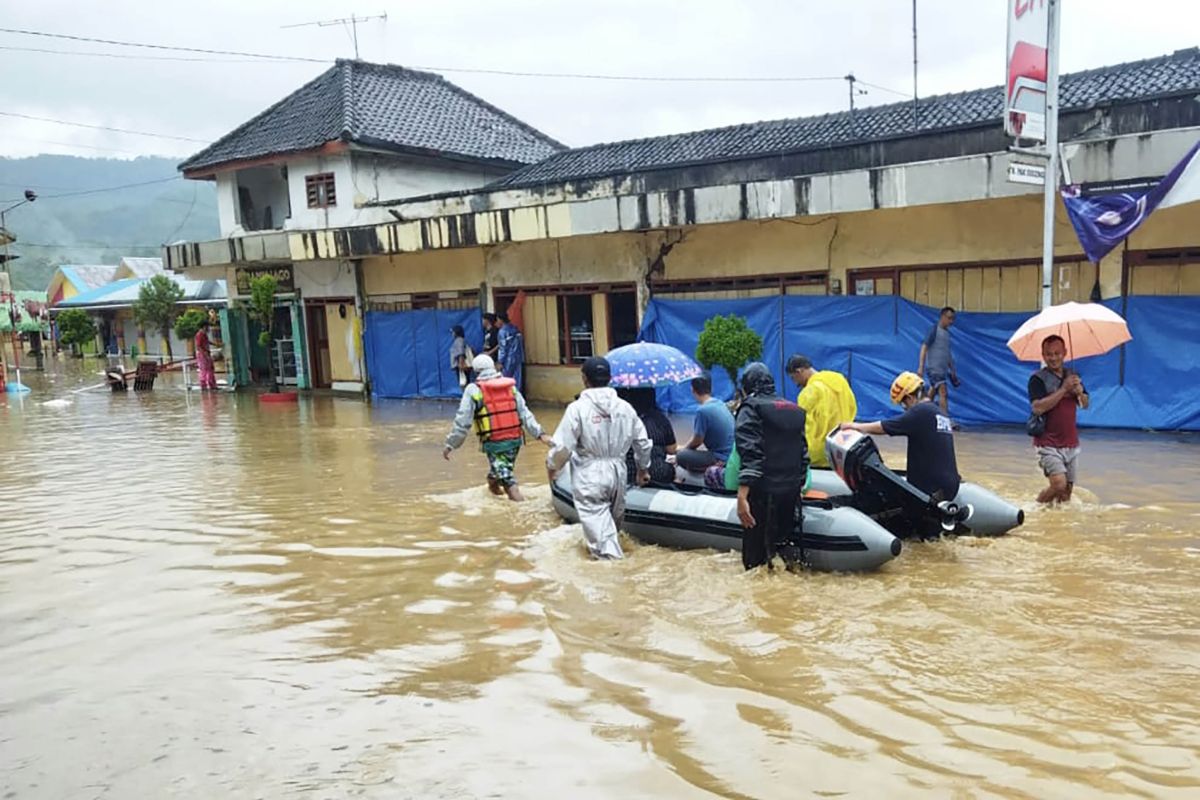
x=76 y=328
x=155 y=307
x=187 y=324
x=728 y=342
x=261 y=309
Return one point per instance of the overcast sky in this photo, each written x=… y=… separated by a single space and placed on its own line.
x=961 y=47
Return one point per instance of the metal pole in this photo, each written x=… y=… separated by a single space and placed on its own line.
x=12 y=298
x=916 y=123
x=1050 y=196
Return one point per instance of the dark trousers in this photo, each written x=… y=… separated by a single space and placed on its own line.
x=694 y=460
x=776 y=523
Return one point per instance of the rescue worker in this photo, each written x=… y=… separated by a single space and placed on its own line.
x=497 y=412
x=932 y=466
x=596 y=432
x=827 y=401
x=774 y=463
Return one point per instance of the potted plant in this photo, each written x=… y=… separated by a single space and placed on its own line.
x=155 y=307
x=187 y=325
x=75 y=329
x=728 y=342
x=261 y=308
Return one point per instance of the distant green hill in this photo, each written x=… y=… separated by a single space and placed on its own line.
x=100 y=226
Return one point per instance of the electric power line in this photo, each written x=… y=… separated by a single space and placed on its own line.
x=466 y=70
x=150 y=46
x=106 y=188
x=885 y=89
x=102 y=127
x=140 y=56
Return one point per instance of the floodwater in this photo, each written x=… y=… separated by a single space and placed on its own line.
x=204 y=597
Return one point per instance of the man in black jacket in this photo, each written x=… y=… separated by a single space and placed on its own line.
x=770 y=440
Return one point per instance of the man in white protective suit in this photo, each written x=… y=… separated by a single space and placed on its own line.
x=596 y=432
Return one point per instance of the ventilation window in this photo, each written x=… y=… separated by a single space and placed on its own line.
x=320 y=190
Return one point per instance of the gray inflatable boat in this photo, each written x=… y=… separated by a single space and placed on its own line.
x=834 y=538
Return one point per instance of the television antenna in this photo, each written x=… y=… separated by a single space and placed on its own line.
x=350 y=23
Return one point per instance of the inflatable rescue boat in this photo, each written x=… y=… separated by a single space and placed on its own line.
x=834 y=538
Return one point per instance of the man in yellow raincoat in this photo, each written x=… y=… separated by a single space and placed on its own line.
x=827 y=401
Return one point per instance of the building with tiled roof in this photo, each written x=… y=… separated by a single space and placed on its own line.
x=935 y=208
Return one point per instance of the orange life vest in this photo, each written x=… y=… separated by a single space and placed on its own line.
x=496 y=417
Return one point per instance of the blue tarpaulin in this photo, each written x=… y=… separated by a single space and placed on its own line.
x=408 y=352
x=1149 y=383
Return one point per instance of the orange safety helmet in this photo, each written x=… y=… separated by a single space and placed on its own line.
x=905 y=384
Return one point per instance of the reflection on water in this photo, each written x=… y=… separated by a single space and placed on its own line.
x=203 y=597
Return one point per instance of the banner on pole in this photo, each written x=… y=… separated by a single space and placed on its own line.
x=1025 y=84
x=1102 y=219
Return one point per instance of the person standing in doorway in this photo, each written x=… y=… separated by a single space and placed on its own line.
x=1056 y=393
x=497 y=412
x=596 y=432
x=770 y=442
x=491 y=336
x=827 y=401
x=936 y=363
x=461 y=356
x=511 y=354
x=204 y=359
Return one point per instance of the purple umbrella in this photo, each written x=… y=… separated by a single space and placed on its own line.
x=646 y=364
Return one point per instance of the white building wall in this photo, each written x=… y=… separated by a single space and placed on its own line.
x=363 y=178
x=325 y=278
x=227 y=203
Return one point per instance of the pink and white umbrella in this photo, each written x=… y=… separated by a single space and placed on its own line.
x=1089 y=329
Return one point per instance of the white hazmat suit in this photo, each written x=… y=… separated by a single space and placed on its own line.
x=596 y=432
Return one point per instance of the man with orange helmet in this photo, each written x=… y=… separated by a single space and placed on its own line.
x=932 y=466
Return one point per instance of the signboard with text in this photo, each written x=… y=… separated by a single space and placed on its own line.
x=283 y=275
x=1025 y=82
x=1033 y=174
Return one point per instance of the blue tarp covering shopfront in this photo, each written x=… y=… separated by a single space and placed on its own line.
x=408 y=352
x=1150 y=383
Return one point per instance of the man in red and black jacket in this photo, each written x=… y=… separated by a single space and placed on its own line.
x=1057 y=393
x=769 y=435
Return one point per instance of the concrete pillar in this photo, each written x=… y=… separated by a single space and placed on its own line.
x=141 y=341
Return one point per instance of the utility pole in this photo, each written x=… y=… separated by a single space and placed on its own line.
x=351 y=22
x=850 y=79
x=916 y=118
x=1050 y=196
x=30 y=196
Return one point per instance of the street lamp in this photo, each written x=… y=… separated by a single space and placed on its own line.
x=30 y=196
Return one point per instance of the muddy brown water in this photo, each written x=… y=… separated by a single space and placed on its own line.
x=205 y=597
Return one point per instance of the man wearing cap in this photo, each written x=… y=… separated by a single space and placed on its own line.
x=497 y=412
x=932 y=466
x=596 y=432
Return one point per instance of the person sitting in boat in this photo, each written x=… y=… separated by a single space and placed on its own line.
x=658 y=428
x=827 y=401
x=497 y=412
x=596 y=432
x=712 y=429
x=774 y=462
x=932 y=466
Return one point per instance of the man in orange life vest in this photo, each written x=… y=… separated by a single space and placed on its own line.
x=494 y=408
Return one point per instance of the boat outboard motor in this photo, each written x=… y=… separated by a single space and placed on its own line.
x=882 y=494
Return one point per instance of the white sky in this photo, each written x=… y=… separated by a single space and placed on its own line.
x=961 y=47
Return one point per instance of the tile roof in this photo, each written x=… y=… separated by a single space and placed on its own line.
x=381 y=105
x=1166 y=75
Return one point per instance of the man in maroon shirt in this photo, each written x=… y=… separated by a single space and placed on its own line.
x=1057 y=393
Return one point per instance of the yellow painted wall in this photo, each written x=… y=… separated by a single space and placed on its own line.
x=552 y=384
x=432 y=271
x=344 y=344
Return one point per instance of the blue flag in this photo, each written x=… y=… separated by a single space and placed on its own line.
x=1103 y=220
